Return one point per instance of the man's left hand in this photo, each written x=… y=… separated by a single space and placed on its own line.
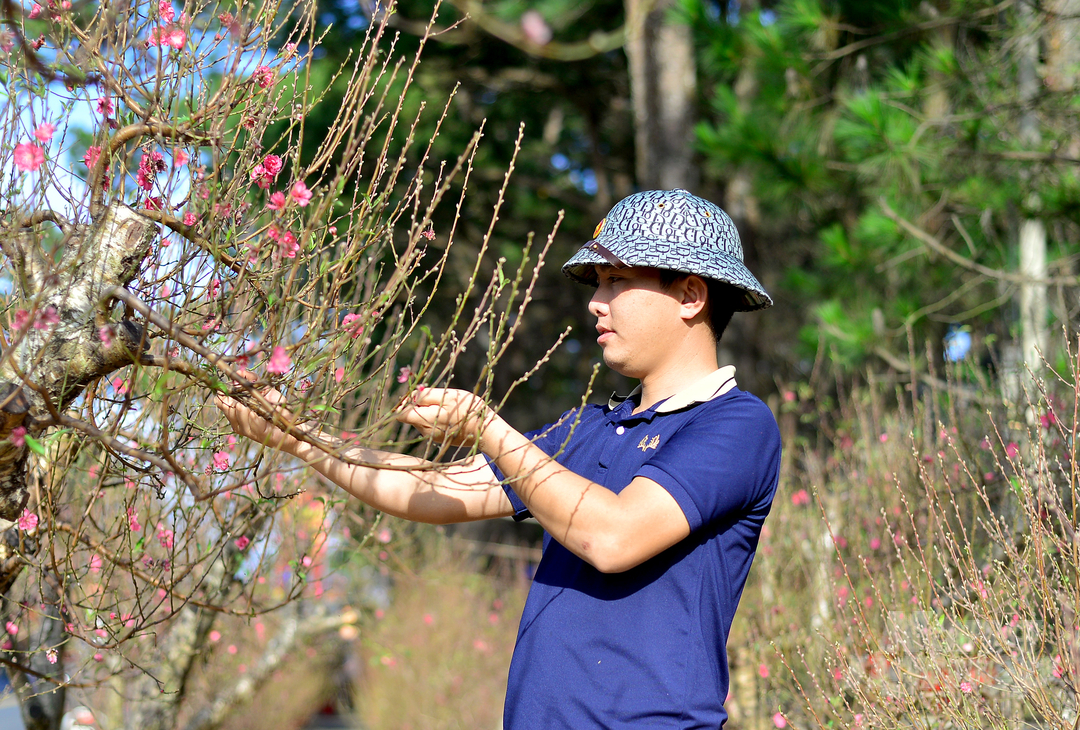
x=447 y=415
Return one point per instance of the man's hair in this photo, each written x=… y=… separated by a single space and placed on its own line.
x=722 y=302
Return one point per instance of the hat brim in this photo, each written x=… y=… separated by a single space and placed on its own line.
x=674 y=256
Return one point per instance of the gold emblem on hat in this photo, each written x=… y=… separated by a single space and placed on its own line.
x=599 y=227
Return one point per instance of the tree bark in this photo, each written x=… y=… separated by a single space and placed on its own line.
x=1063 y=45
x=45 y=369
x=1032 y=244
x=663 y=85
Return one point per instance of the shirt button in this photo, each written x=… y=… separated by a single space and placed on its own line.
x=620 y=430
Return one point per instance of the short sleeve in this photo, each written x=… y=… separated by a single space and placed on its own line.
x=550 y=439
x=722 y=462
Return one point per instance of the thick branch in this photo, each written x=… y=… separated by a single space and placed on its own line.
x=965 y=262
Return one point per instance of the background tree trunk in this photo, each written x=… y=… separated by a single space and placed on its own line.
x=1032 y=235
x=663 y=85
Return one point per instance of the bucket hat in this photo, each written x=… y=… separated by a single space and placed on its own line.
x=669 y=229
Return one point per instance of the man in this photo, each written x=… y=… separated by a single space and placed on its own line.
x=652 y=505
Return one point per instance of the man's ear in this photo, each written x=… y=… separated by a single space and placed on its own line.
x=695 y=293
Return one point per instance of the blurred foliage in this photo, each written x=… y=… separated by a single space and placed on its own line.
x=850 y=109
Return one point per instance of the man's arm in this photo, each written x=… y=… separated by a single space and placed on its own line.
x=612 y=532
x=403 y=486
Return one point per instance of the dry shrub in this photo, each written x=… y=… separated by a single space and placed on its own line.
x=437 y=658
x=921 y=567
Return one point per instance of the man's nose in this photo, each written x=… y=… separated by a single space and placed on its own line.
x=598 y=306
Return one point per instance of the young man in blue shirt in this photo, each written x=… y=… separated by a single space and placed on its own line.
x=652 y=505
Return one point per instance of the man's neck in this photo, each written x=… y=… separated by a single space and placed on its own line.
x=676 y=375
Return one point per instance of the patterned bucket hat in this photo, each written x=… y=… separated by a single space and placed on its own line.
x=669 y=229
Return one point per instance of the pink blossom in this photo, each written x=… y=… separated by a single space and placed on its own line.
x=1011 y=450
x=883 y=437
x=535 y=28
x=277 y=201
x=44 y=132
x=800 y=498
x=266 y=171
x=28 y=521
x=280 y=362
x=242 y=542
x=17 y=437
x=93 y=153
x=384 y=535
x=46 y=318
x=1059 y=668
x=339 y=374
x=354 y=329
x=29 y=157
x=11 y=627
x=190 y=219
x=133 y=520
x=965 y=687
x=165 y=537
x=300 y=193
x=175 y=37
x=150 y=164
x=221 y=460
x=404 y=374
x=263 y=76
x=858 y=720
x=215 y=636
x=779 y=720
x=120 y=385
x=105 y=106
x=166 y=11
x=875 y=543
x=180 y=158
x=35 y=11
x=7 y=40
x=21 y=318
x=232 y=649
x=51 y=655
x=99 y=657
x=288 y=245
x=429 y=234
x=763 y=671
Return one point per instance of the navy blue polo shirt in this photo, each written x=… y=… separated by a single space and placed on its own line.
x=646 y=648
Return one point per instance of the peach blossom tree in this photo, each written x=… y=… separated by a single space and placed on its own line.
x=170 y=219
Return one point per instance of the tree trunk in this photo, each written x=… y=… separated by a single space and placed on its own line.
x=1063 y=45
x=61 y=359
x=1032 y=244
x=663 y=85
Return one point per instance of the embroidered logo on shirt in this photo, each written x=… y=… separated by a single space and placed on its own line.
x=646 y=443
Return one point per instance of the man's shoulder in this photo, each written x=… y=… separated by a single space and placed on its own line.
x=740 y=402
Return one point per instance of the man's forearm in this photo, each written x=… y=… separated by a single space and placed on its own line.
x=579 y=513
x=409 y=487
x=612 y=532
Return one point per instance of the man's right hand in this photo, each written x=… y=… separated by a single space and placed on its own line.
x=250 y=424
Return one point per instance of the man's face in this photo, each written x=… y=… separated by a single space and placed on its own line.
x=637 y=319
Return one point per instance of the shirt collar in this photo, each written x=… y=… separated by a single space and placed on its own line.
x=713 y=385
